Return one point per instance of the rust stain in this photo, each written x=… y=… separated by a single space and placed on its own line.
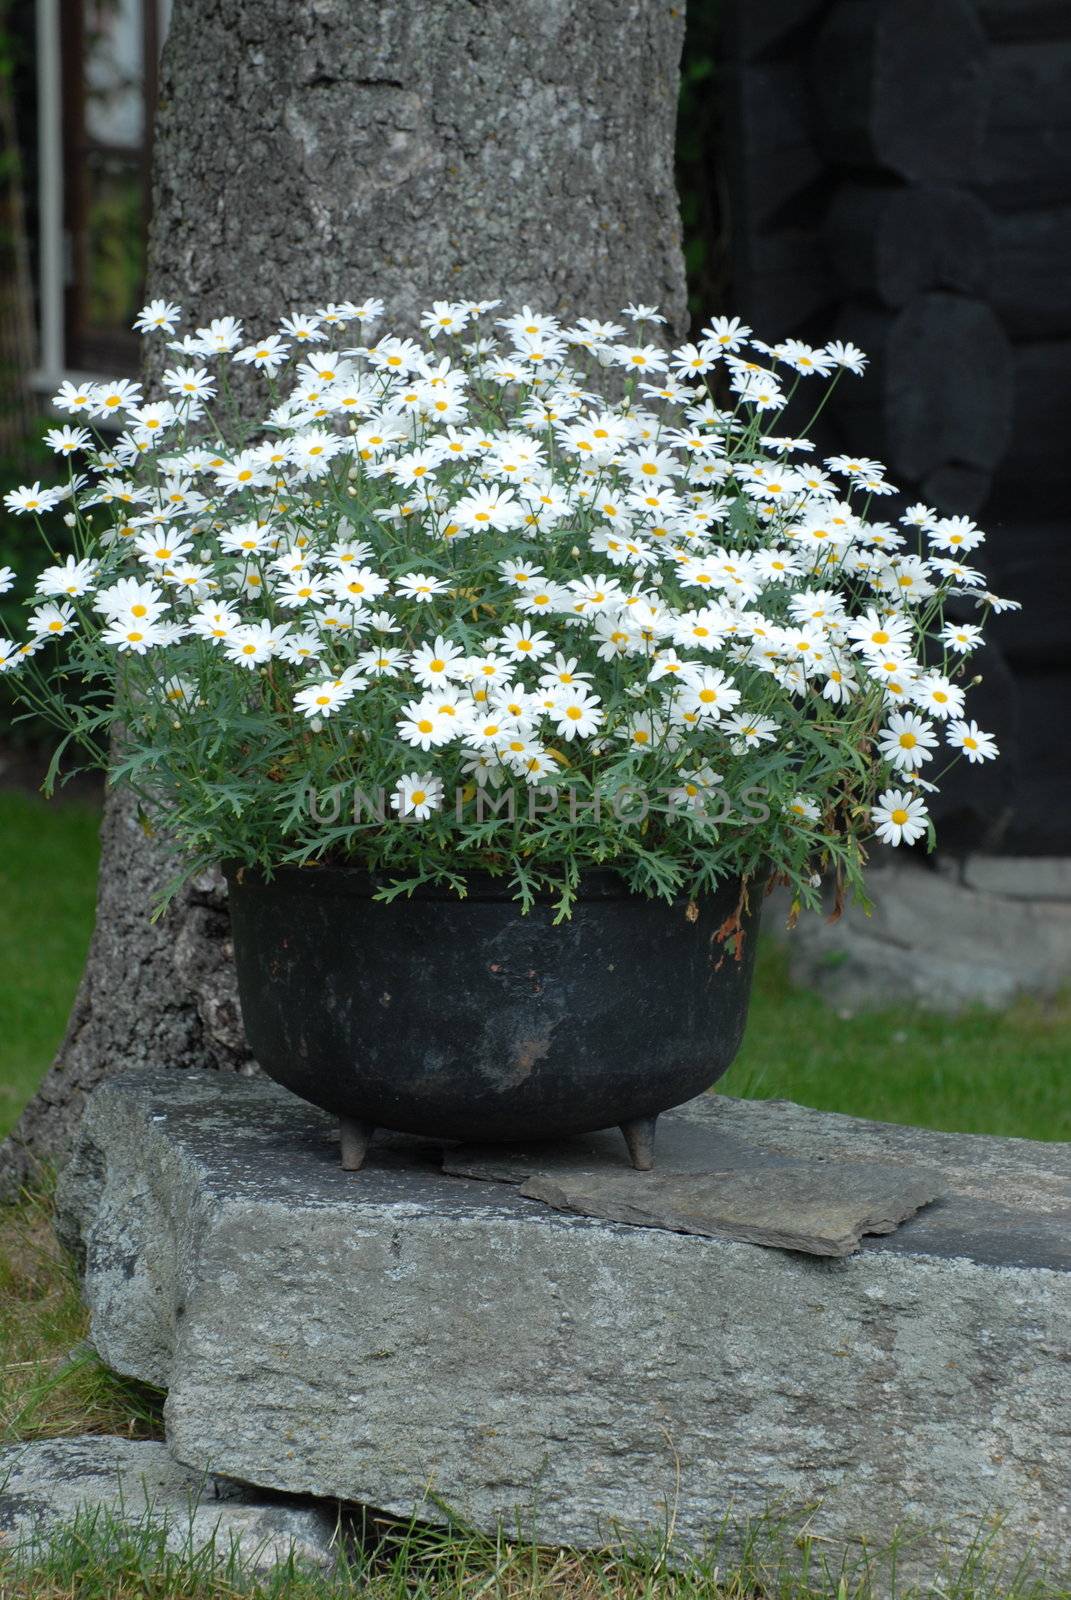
x=525 y=1057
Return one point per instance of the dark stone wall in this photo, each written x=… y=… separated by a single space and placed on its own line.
x=898 y=172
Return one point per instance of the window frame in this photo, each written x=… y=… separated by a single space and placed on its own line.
x=60 y=46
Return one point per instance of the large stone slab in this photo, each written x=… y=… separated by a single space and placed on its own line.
x=48 y=1484
x=403 y=1337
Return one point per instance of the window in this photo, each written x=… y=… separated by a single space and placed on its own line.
x=97 y=64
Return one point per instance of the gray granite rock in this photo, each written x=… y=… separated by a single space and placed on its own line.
x=405 y=1337
x=48 y=1484
x=1018 y=877
x=942 y=940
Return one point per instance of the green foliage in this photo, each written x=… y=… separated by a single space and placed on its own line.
x=115 y=244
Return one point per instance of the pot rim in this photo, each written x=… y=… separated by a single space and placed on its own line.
x=597 y=883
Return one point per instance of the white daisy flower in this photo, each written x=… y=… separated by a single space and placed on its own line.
x=52 y=621
x=968 y=738
x=159 y=316
x=576 y=711
x=907 y=740
x=899 y=817
x=417 y=794
x=324 y=699
x=419 y=586
x=938 y=695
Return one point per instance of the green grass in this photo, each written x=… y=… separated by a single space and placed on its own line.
x=979 y=1072
x=100 y=1559
x=51 y=1383
x=48 y=877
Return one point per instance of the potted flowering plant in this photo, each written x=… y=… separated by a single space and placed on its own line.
x=500 y=669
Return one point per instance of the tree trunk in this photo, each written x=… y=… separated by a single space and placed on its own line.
x=520 y=149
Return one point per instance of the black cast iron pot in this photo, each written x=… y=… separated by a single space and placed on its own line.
x=464 y=1019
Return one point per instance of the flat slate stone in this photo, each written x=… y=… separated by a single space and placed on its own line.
x=821 y=1210
x=409 y=1338
x=708 y=1182
x=970 y=1216
x=46 y=1485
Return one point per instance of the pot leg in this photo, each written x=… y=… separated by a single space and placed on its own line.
x=356 y=1137
x=640 y=1136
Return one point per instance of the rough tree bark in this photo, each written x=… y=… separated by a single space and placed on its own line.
x=414 y=148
